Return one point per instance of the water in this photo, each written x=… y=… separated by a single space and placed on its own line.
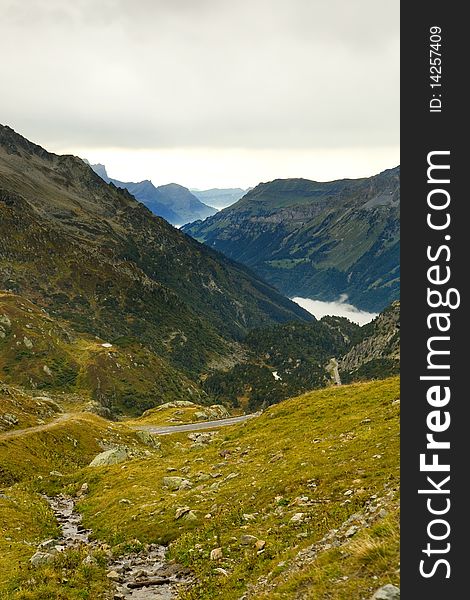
x=340 y=308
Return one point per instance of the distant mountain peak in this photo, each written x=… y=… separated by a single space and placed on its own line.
x=172 y=201
x=100 y=170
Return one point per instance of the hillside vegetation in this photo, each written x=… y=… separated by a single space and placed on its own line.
x=301 y=502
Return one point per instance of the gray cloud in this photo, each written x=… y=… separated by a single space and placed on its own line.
x=191 y=73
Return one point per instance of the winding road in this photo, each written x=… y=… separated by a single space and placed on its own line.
x=168 y=429
x=160 y=430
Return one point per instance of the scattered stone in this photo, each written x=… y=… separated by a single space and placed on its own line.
x=113 y=575
x=149 y=438
x=216 y=554
x=387 y=592
x=84 y=489
x=41 y=558
x=348 y=493
x=48 y=545
x=298 y=518
x=221 y=571
x=124 y=501
x=177 y=483
x=27 y=342
x=10 y=419
x=89 y=560
x=190 y=516
x=55 y=474
x=110 y=457
x=260 y=544
x=248 y=540
x=351 y=531
x=182 y=510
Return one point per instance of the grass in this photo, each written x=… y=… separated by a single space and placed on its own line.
x=322 y=454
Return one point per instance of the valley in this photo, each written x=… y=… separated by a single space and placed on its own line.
x=171 y=425
x=318 y=240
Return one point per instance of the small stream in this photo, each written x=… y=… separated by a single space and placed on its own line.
x=142 y=575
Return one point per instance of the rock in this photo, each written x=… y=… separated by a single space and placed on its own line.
x=113 y=575
x=177 y=483
x=387 y=592
x=55 y=474
x=190 y=516
x=83 y=491
x=348 y=493
x=89 y=560
x=27 y=342
x=47 y=370
x=216 y=554
x=124 y=501
x=4 y=320
x=110 y=457
x=180 y=511
x=248 y=540
x=298 y=518
x=48 y=545
x=260 y=545
x=351 y=531
x=10 y=419
x=41 y=558
x=221 y=571
x=149 y=438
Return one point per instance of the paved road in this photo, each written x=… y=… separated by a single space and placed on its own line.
x=151 y=428
x=19 y=432
x=167 y=429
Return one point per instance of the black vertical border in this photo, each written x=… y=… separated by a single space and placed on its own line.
x=422 y=132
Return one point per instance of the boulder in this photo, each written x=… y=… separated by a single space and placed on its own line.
x=387 y=592
x=177 y=483
x=149 y=438
x=41 y=558
x=109 y=457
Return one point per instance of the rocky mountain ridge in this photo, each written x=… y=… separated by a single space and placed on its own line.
x=173 y=202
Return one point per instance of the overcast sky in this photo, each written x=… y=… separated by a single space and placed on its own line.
x=206 y=92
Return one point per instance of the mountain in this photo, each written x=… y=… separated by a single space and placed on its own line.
x=377 y=355
x=173 y=202
x=286 y=359
x=105 y=270
x=220 y=198
x=316 y=240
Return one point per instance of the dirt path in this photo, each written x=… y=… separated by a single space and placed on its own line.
x=20 y=432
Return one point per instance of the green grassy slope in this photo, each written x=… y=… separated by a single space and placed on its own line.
x=322 y=461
